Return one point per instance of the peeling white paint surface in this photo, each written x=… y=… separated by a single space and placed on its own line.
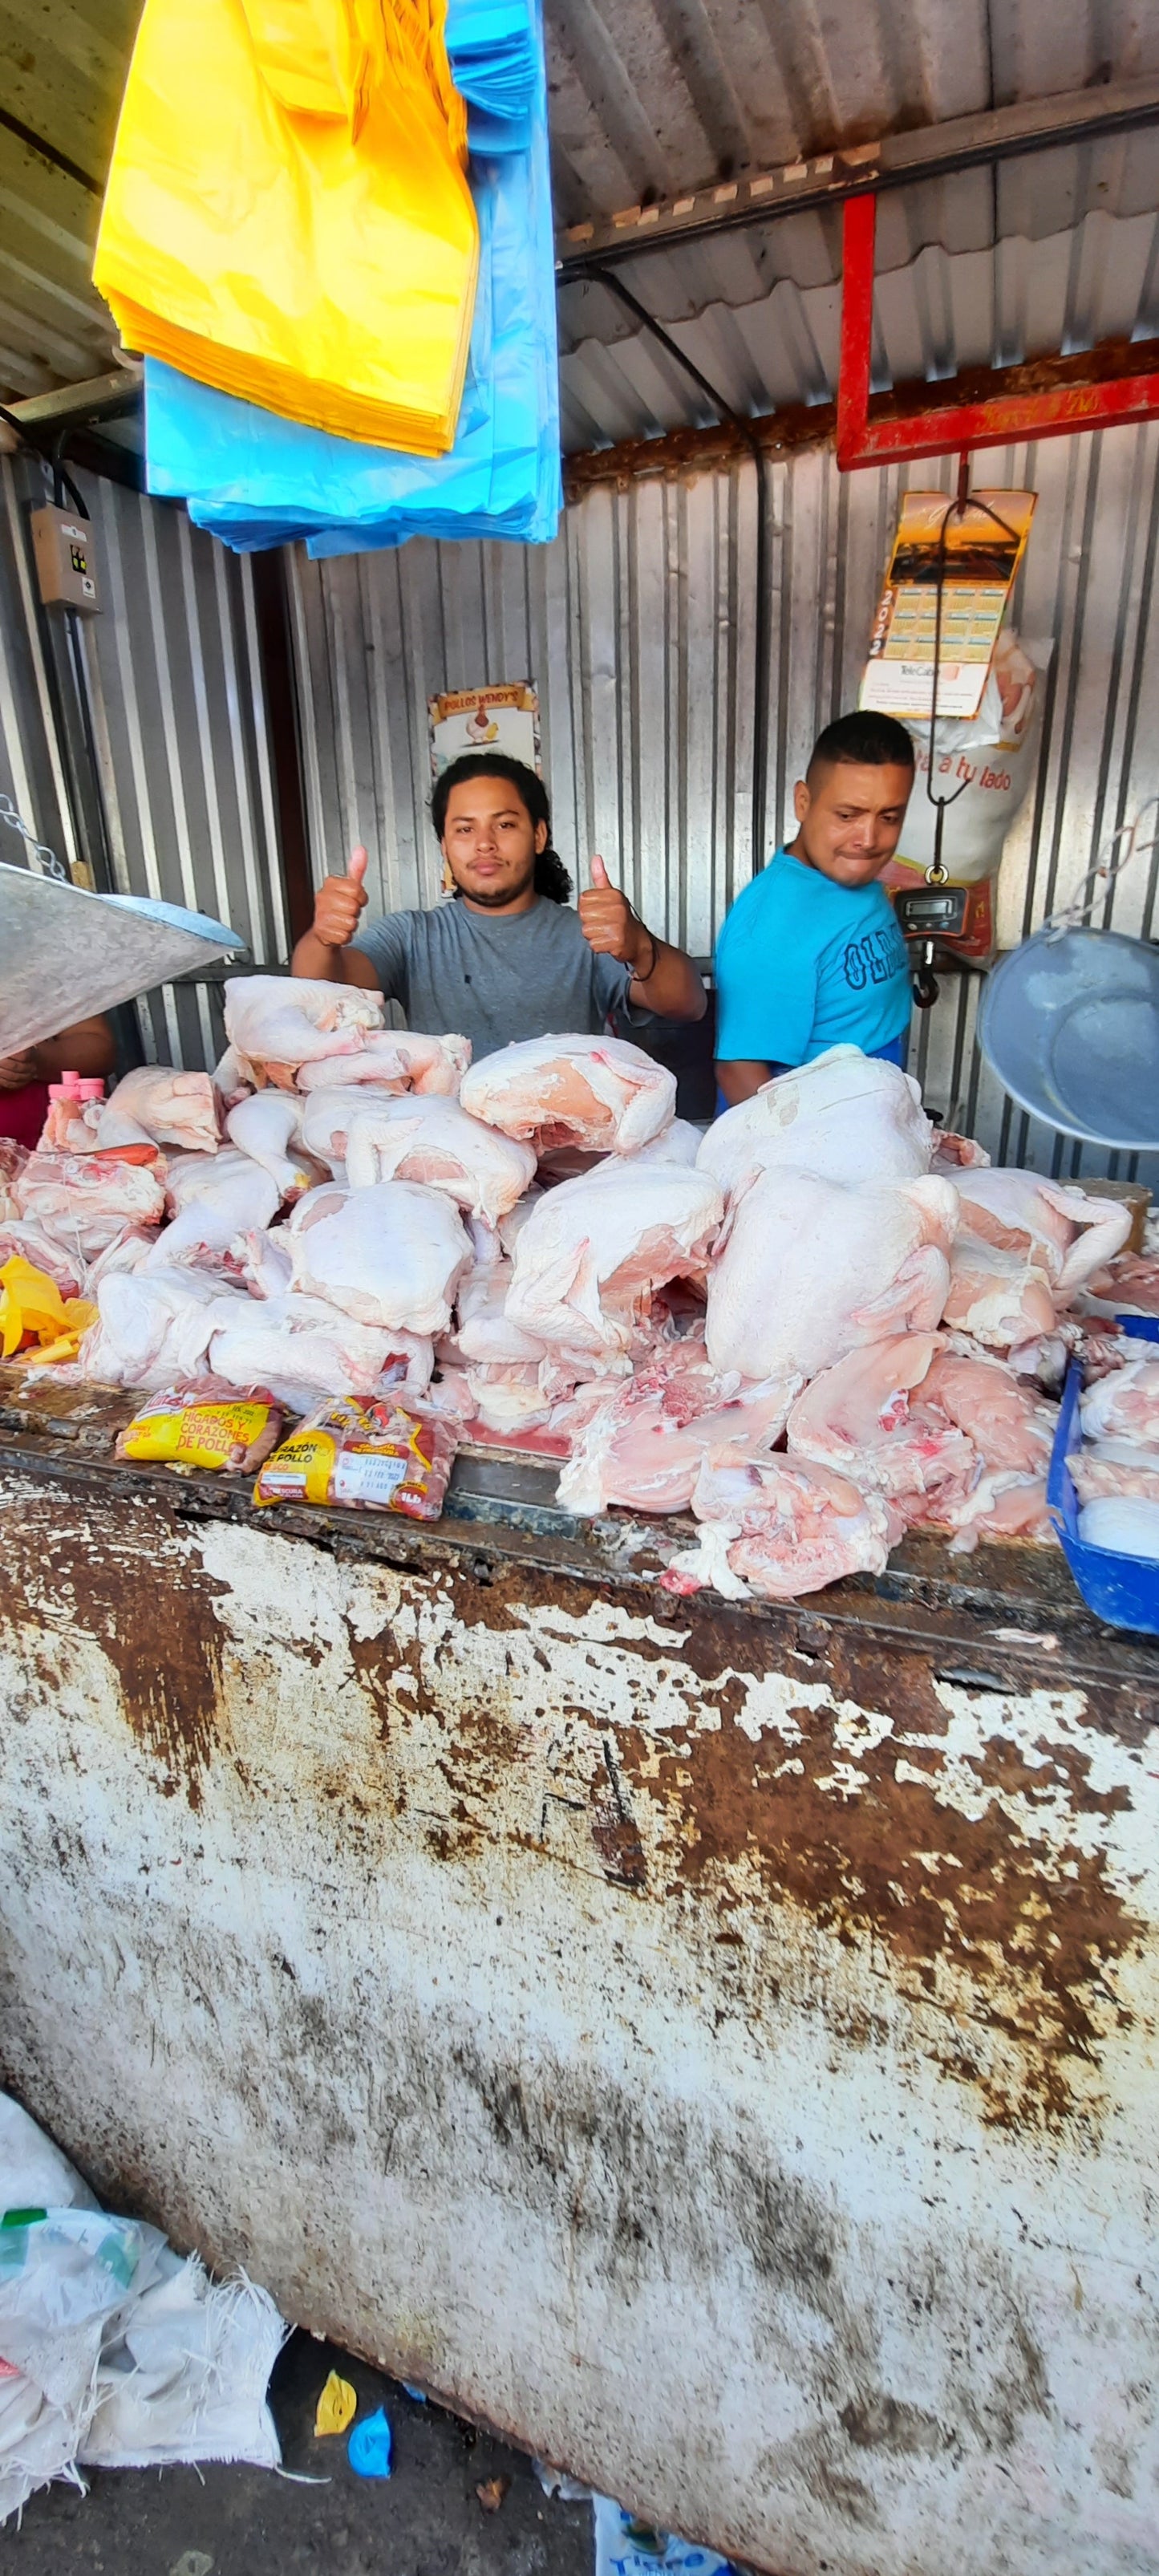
x=667 y=2058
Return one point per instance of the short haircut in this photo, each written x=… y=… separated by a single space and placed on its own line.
x=551 y=876
x=874 y=741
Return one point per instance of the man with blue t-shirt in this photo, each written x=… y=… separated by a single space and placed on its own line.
x=810 y=955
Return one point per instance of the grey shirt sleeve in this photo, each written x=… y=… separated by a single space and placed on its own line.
x=387 y=944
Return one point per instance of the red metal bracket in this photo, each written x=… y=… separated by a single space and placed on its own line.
x=946 y=428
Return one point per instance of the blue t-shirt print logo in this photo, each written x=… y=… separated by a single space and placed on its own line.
x=874 y=959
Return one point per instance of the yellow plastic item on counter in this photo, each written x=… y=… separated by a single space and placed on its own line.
x=287 y=214
x=33 y=1312
x=336 y=2407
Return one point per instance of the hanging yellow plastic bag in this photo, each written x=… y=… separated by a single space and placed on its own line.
x=312 y=55
x=36 y=1322
x=288 y=216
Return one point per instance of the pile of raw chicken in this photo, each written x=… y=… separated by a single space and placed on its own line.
x=816 y=1326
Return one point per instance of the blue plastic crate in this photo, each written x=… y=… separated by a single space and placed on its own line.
x=1123 y=1590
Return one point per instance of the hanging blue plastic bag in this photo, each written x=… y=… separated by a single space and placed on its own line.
x=492 y=48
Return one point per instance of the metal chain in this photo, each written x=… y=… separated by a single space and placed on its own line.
x=51 y=866
x=1105 y=872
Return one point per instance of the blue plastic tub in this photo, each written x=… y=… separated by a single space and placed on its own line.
x=1123 y=1590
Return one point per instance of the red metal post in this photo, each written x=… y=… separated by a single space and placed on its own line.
x=938 y=430
x=858 y=241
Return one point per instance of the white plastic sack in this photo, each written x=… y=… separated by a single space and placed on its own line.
x=625 y=2547
x=989 y=756
x=33 y=2173
x=187 y=2378
x=112 y=2349
x=63 y=2280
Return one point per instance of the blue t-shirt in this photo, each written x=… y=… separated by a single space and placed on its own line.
x=803 y=964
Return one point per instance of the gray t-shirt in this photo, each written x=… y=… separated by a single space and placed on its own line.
x=496 y=977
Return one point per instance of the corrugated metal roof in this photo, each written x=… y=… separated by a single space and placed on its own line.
x=652 y=96
x=62 y=69
x=986 y=268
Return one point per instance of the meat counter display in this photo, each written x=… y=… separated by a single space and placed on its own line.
x=411 y=1914
x=798 y=1336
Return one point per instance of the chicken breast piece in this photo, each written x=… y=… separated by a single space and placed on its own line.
x=860 y=1418
x=173 y=1108
x=392 y=1255
x=846 y=1117
x=790 y=1527
x=275 y=1023
x=302 y=1348
x=590 y=1091
x=218 y=1198
x=807 y=1269
x=433 y=1141
x=396 y=1060
x=1124 y=1406
x=1069 y=1233
x=594 y=1250
x=87 y=1199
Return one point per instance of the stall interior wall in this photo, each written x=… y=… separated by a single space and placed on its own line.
x=172 y=771
x=637 y=626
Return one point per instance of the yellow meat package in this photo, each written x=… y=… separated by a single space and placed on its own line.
x=203 y=1427
x=287 y=214
x=363 y=1451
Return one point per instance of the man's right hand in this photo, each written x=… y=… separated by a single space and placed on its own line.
x=340 y=902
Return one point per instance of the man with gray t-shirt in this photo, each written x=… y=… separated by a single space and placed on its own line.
x=508 y=958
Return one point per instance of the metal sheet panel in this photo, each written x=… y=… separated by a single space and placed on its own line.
x=714 y=2043
x=172 y=674
x=637 y=626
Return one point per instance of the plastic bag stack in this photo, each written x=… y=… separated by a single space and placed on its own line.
x=287 y=215
x=256 y=479
x=494 y=54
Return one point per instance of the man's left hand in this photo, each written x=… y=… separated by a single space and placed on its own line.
x=607 y=920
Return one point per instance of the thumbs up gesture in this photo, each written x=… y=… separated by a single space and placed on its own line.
x=607 y=920
x=339 y=903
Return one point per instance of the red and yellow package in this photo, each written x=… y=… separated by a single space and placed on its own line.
x=204 y=1426
x=361 y=1451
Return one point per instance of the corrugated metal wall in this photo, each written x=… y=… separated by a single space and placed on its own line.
x=638 y=627
x=172 y=674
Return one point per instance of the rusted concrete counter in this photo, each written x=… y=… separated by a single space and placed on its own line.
x=714 y=2043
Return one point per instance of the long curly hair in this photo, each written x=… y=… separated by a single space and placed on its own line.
x=551 y=876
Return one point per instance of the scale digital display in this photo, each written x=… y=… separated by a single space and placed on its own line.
x=934 y=909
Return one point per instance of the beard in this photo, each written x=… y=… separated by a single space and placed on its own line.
x=497 y=898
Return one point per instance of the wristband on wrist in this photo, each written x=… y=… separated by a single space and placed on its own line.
x=646 y=979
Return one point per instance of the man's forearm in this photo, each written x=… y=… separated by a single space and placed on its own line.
x=672 y=989
x=312 y=957
x=740 y=1078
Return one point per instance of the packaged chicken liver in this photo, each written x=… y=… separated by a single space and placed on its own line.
x=367 y=1452
x=204 y=1425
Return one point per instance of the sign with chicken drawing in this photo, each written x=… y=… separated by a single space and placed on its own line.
x=502 y=718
